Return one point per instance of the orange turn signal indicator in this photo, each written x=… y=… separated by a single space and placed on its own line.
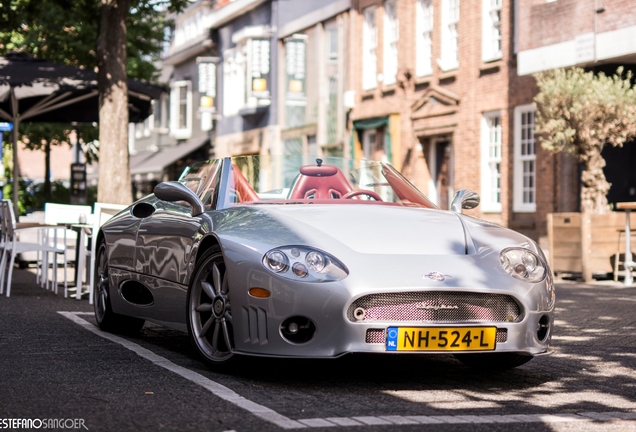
x=259 y=292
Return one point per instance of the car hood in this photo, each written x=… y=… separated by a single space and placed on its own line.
x=372 y=229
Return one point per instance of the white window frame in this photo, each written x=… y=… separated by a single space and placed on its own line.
x=491 y=162
x=450 y=39
x=491 y=30
x=424 y=38
x=234 y=81
x=369 y=49
x=525 y=160
x=391 y=38
x=175 y=130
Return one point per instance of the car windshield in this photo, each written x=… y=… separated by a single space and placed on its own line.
x=259 y=180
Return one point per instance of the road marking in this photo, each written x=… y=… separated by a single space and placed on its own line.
x=283 y=422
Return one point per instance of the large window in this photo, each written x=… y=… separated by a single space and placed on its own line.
x=423 y=42
x=246 y=71
x=525 y=170
x=491 y=34
x=450 y=20
x=491 y=145
x=391 y=36
x=369 y=45
x=181 y=109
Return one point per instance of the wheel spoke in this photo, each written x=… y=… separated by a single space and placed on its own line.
x=204 y=307
x=206 y=327
x=224 y=286
x=215 y=339
x=226 y=335
x=216 y=278
x=208 y=289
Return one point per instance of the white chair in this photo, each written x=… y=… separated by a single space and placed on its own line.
x=63 y=216
x=101 y=214
x=13 y=246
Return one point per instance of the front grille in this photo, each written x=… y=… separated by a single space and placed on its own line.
x=378 y=336
x=435 y=306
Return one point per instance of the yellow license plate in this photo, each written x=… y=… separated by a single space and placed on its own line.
x=441 y=338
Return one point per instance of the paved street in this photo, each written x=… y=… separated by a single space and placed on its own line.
x=57 y=365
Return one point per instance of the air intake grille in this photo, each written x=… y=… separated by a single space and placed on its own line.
x=435 y=306
x=377 y=336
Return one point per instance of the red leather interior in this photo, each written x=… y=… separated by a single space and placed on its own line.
x=243 y=190
x=320 y=182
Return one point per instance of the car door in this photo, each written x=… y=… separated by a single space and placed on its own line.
x=167 y=238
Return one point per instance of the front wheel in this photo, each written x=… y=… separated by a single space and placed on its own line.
x=106 y=319
x=209 y=313
x=494 y=361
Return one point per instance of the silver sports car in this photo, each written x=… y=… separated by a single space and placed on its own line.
x=304 y=257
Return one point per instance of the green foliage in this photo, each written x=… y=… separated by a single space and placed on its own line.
x=578 y=110
x=578 y=113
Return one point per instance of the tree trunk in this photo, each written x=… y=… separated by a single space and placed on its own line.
x=114 y=184
x=594 y=185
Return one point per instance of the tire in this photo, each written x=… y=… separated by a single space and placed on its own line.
x=208 y=311
x=493 y=361
x=106 y=319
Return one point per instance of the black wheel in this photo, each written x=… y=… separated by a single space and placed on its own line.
x=106 y=319
x=493 y=361
x=209 y=313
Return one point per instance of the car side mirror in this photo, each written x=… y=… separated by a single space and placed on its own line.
x=465 y=199
x=174 y=191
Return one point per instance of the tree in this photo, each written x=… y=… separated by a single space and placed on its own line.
x=579 y=113
x=114 y=171
x=123 y=38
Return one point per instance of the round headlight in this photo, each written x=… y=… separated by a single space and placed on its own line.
x=277 y=261
x=523 y=264
x=316 y=261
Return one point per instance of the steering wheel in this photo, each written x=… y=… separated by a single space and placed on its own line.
x=355 y=193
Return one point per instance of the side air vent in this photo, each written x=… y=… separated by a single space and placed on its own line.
x=137 y=294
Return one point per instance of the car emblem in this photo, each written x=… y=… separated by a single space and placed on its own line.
x=435 y=307
x=436 y=276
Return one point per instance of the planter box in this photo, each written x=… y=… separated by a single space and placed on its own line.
x=587 y=244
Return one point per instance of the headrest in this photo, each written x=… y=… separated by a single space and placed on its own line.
x=318 y=171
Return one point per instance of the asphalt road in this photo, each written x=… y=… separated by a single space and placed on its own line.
x=57 y=369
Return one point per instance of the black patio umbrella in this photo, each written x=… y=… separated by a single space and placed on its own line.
x=36 y=90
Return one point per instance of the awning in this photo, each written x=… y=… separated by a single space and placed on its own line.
x=166 y=156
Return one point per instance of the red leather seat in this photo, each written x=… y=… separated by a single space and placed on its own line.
x=320 y=182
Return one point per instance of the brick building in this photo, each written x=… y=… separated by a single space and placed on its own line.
x=438 y=93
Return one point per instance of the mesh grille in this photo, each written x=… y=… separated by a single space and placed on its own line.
x=377 y=336
x=435 y=306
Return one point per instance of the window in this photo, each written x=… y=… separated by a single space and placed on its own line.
x=181 y=109
x=296 y=77
x=391 y=36
x=207 y=91
x=525 y=171
x=491 y=34
x=450 y=19
x=369 y=45
x=423 y=43
x=491 y=144
x=246 y=71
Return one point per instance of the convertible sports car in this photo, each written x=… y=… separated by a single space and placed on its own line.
x=300 y=257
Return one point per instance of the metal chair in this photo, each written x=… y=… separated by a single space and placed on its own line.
x=13 y=247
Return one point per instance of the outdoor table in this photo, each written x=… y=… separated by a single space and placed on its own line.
x=628 y=264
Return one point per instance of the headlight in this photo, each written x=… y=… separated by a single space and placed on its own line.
x=304 y=263
x=523 y=264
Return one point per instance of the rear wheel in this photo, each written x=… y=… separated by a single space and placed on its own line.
x=106 y=319
x=493 y=361
x=209 y=313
